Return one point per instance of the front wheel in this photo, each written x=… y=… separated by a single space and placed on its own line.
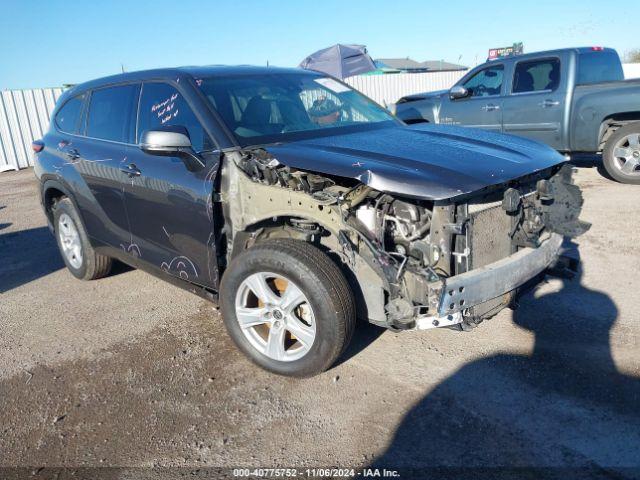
x=621 y=155
x=288 y=307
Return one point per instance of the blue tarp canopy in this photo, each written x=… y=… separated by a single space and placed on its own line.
x=340 y=61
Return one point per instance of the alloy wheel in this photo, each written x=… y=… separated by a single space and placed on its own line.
x=275 y=316
x=70 y=240
x=626 y=154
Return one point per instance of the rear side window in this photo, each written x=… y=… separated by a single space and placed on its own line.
x=536 y=76
x=110 y=113
x=486 y=83
x=599 y=66
x=68 y=117
x=161 y=105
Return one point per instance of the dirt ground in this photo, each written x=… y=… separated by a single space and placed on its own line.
x=129 y=371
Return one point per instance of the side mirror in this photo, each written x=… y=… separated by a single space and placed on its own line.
x=172 y=142
x=458 y=91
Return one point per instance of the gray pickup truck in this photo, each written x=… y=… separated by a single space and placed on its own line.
x=574 y=100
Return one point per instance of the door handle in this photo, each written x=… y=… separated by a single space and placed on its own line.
x=73 y=154
x=549 y=103
x=490 y=107
x=131 y=170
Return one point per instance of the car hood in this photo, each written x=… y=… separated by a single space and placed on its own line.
x=431 y=162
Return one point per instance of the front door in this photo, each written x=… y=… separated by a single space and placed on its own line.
x=534 y=108
x=482 y=108
x=170 y=208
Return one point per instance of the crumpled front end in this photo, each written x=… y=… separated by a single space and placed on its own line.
x=412 y=263
x=478 y=251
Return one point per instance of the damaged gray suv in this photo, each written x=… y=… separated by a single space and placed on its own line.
x=299 y=205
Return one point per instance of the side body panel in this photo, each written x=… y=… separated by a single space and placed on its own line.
x=89 y=170
x=171 y=216
x=594 y=104
x=103 y=210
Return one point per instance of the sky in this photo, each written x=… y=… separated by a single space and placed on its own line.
x=53 y=42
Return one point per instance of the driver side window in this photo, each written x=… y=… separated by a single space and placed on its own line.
x=486 y=83
x=162 y=105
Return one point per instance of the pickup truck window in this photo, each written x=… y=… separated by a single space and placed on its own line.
x=599 y=66
x=536 y=76
x=486 y=83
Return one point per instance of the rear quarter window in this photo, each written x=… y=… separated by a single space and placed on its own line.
x=68 y=117
x=599 y=66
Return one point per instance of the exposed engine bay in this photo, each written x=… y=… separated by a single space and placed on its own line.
x=413 y=263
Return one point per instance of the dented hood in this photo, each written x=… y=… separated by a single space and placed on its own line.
x=432 y=162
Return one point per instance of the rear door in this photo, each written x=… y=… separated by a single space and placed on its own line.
x=170 y=208
x=534 y=107
x=97 y=154
x=483 y=107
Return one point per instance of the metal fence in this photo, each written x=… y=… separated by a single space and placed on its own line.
x=387 y=89
x=24 y=116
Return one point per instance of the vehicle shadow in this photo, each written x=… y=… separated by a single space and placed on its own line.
x=31 y=254
x=590 y=160
x=563 y=412
x=363 y=336
x=27 y=255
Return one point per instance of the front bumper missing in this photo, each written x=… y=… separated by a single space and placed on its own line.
x=468 y=289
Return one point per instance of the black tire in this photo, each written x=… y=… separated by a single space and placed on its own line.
x=94 y=265
x=323 y=284
x=609 y=159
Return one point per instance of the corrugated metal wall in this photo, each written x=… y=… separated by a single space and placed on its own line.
x=387 y=89
x=24 y=117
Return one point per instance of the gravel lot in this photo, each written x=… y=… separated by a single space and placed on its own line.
x=130 y=371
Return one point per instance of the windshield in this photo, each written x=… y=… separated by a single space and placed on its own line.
x=599 y=66
x=271 y=108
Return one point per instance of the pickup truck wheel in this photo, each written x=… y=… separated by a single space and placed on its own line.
x=621 y=155
x=78 y=254
x=288 y=307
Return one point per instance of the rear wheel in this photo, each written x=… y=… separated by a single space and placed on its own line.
x=621 y=155
x=288 y=307
x=78 y=254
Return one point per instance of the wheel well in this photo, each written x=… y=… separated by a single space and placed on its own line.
x=285 y=227
x=51 y=196
x=613 y=122
x=282 y=227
